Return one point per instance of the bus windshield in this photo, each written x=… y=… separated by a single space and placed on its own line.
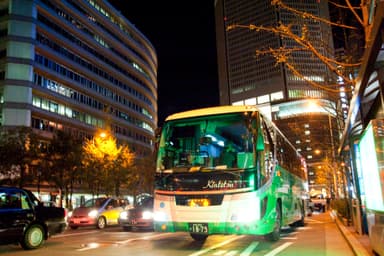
x=209 y=143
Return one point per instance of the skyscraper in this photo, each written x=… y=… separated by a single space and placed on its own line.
x=243 y=76
x=77 y=66
x=262 y=61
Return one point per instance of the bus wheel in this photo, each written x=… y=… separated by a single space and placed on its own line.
x=198 y=237
x=301 y=222
x=275 y=234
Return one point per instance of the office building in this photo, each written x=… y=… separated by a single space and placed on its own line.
x=304 y=111
x=77 y=66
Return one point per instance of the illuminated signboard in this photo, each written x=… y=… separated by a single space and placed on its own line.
x=371 y=148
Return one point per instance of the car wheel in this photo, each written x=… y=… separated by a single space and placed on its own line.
x=101 y=222
x=275 y=234
x=74 y=227
x=198 y=237
x=33 y=237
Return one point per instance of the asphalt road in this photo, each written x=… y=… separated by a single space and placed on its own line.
x=320 y=236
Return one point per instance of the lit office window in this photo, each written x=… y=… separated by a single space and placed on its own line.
x=277 y=96
x=263 y=99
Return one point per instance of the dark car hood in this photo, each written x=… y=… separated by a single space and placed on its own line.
x=82 y=210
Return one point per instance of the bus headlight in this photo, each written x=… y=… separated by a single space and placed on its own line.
x=160 y=216
x=244 y=213
x=244 y=216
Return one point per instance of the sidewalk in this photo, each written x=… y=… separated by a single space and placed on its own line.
x=360 y=244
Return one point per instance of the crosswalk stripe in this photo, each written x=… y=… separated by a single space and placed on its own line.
x=249 y=249
x=278 y=249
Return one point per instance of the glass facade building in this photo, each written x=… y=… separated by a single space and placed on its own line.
x=303 y=111
x=248 y=78
x=77 y=66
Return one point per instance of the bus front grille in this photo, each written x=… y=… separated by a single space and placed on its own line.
x=184 y=200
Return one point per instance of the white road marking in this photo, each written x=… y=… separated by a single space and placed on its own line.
x=231 y=253
x=288 y=238
x=312 y=220
x=278 y=249
x=249 y=249
x=92 y=246
x=76 y=234
x=305 y=228
x=144 y=238
x=219 y=252
x=89 y=246
x=216 y=246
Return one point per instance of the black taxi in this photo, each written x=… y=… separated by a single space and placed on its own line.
x=25 y=220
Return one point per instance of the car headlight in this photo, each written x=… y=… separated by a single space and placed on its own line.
x=147 y=215
x=123 y=215
x=93 y=214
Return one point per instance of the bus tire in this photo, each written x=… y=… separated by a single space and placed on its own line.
x=301 y=222
x=198 y=237
x=275 y=234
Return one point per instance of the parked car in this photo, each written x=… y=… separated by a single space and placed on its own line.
x=318 y=202
x=138 y=217
x=25 y=220
x=99 y=212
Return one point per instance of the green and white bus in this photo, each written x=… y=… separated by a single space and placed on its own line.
x=227 y=170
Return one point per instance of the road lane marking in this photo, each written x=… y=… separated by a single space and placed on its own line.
x=91 y=246
x=288 y=238
x=249 y=249
x=216 y=246
x=76 y=234
x=219 y=252
x=305 y=228
x=144 y=238
x=312 y=220
x=278 y=249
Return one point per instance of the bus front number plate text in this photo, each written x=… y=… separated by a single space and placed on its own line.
x=201 y=228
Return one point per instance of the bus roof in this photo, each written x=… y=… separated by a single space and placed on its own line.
x=211 y=111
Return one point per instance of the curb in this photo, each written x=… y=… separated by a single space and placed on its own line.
x=356 y=246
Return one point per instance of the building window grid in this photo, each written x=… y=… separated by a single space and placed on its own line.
x=45 y=83
x=101 y=73
x=63 y=71
x=90 y=67
x=71 y=93
x=72 y=20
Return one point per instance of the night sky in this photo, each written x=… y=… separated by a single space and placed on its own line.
x=183 y=34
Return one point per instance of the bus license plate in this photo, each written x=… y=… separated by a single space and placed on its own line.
x=198 y=228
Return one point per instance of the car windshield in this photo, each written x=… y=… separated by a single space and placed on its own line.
x=145 y=202
x=95 y=202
